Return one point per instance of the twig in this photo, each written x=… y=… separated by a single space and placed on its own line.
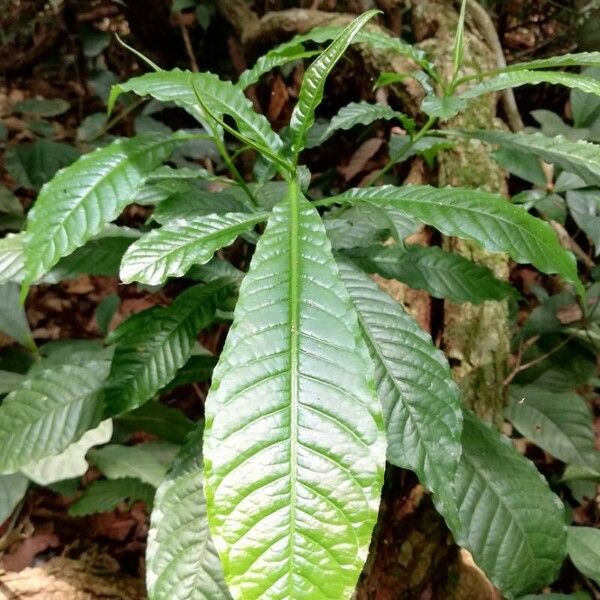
x=185 y=34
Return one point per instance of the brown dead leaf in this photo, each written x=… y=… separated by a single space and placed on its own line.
x=278 y=99
x=359 y=159
x=27 y=550
x=112 y=525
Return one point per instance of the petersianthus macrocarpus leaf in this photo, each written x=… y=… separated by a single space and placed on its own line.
x=313 y=84
x=511 y=522
x=53 y=408
x=487 y=219
x=82 y=198
x=421 y=403
x=151 y=346
x=172 y=249
x=181 y=560
x=294 y=442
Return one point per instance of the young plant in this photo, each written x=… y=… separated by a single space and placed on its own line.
x=323 y=375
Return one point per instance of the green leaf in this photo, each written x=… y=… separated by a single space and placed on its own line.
x=458 y=48
x=53 y=408
x=152 y=345
x=560 y=423
x=42 y=107
x=198 y=368
x=511 y=522
x=13 y=320
x=148 y=462
x=359 y=113
x=442 y=107
x=575 y=596
x=583 y=545
x=12 y=490
x=71 y=462
x=172 y=249
x=293 y=481
x=157 y=419
x=10 y=381
x=221 y=98
x=313 y=84
x=586 y=107
x=515 y=79
x=181 y=560
x=441 y=274
x=484 y=218
x=80 y=200
x=581 y=158
x=105 y=495
x=277 y=57
x=577 y=59
x=32 y=165
x=584 y=206
x=421 y=404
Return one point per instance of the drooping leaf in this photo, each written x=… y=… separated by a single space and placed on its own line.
x=583 y=545
x=442 y=274
x=581 y=158
x=12 y=490
x=198 y=368
x=221 y=98
x=182 y=561
x=172 y=249
x=71 y=462
x=421 y=403
x=485 y=218
x=147 y=462
x=158 y=419
x=106 y=494
x=560 y=423
x=293 y=481
x=81 y=199
x=152 y=345
x=359 y=113
x=13 y=320
x=511 y=522
x=515 y=79
x=53 y=408
x=313 y=84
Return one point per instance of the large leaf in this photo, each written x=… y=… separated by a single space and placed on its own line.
x=442 y=274
x=560 y=423
x=172 y=249
x=71 y=462
x=581 y=158
x=81 y=199
x=220 y=97
x=12 y=490
x=421 y=404
x=152 y=345
x=294 y=440
x=583 y=544
x=181 y=560
x=107 y=494
x=485 y=218
x=148 y=462
x=313 y=84
x=358 y=113
x=53 y=408
x=511 y=522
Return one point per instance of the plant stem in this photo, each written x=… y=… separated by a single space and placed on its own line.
x=110 y=124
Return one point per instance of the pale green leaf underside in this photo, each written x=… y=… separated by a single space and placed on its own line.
x=580 y=157
x=358 y=113
x=81 y=199
x=153 y=345
x=313 y=84
x=442 y=274
x=105 y=494
x=71 y=462
x=294 y=441
x=52 y=409
x=583 y=545
x=11 y=258
x=148 y=462
x=181 y=560
x=221 y=98
x=512 y=523
x=12 y=490
x=560 y=423
x=485 y=218
x=515 y=79
x=421 y=404
x=13 y=320
x=171 y=250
